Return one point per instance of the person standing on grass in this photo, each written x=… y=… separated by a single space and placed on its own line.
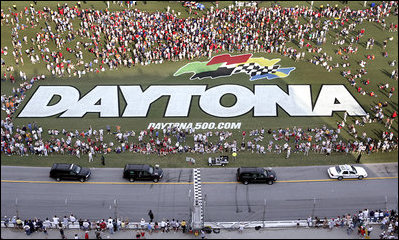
x=90 y=157
x=358 y=158
x=103 y=160
x=288 y=152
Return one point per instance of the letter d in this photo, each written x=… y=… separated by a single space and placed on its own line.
x=38 y=104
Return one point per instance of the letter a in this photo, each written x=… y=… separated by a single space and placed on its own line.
x=38 y=104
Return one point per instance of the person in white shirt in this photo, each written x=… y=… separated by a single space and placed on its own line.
x=72 y=219
x=118 y=224
x=55 y=220
x=47 y=223
x=381 y=214
x=309 y=220
x=369 y=230
x=110 y=227
x=142 y=223
x=163 y=225
x=365 y=214
x=27 y=229
x=86 y=225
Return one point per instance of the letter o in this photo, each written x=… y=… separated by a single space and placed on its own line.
x=210 y=101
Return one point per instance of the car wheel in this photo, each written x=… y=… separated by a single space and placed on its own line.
x=156 y=180
x=82 y=180
x=209 y=164
x=340 y=178
x=58 y=179
x=360 y=177
x=131 y=179
x=245 y=182
x=270 y=182
x=223 y=165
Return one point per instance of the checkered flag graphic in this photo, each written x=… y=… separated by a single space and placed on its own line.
x=255 y=69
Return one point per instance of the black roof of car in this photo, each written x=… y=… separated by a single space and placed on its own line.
x=250 y=169
x=137 y=167
x=62 y=166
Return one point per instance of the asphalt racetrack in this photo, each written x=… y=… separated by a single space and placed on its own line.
x=298 y=193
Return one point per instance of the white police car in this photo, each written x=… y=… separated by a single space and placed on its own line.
x=347 y=171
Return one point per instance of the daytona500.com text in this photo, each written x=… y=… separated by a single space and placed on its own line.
x=197 y=126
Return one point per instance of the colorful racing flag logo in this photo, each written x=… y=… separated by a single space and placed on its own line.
x=226 y=65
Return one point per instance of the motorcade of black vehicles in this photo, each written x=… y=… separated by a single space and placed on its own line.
x=144 y=172
x=256 y=175
x=67 y=171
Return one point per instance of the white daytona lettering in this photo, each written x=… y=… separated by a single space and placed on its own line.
x=262 y=101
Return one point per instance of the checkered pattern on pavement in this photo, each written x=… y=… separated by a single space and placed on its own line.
x=197 y=190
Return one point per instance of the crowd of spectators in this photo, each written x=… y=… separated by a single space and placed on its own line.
x=31 y=140
x=110 y=225
x=363 y=221
x=131 y=37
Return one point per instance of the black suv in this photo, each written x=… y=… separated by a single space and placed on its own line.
x=256 y=175
x=69 y=171
x=135 y=172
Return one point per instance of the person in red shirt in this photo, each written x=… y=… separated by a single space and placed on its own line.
x=394 y=114
x=102 y=225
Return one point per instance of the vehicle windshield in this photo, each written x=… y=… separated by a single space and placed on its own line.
x=266 y=174
x=338 y=169
x=353 y=169
x=76 y=169
x=151 y=170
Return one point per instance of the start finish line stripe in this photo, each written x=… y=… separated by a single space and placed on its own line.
x=183 y=183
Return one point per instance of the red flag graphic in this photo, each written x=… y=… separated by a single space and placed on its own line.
x=229 y=59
